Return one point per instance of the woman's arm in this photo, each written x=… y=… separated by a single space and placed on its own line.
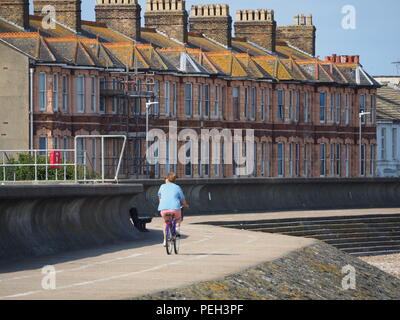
x=184 y=204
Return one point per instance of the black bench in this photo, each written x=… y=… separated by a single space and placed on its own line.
x=139 y=222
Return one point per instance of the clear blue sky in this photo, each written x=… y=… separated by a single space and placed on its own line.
x=376 y=37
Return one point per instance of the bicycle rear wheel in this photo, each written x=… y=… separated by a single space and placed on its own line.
x=169 y=240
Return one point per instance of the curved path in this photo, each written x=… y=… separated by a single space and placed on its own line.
x=132 y=269
x=141 y=267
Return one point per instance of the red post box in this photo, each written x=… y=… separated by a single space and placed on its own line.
x=55 y=159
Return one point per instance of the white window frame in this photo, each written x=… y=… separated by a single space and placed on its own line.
x=65 y=93
x=55 y=93
x=80 y=95
x=93 y=94
x=167 y=98
x=42 y=91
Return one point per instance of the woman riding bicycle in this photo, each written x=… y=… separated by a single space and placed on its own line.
x=172 y=200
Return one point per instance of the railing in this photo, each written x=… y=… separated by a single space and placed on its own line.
x=35 y=164
x=40 y=160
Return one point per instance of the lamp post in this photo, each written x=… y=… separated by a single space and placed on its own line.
x=148 y=106
x=361 y=114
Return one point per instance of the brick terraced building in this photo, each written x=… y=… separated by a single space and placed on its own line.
x=73 y=77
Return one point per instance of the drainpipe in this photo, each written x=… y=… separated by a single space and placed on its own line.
x=31 y=70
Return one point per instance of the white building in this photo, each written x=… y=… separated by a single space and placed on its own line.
x=388 y=129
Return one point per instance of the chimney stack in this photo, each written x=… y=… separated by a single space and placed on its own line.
x=213 y=21
x=258 y=26
x=120 y=15
x=301 y=35
x=168 y=16
x=68 y=12
x=15 y=11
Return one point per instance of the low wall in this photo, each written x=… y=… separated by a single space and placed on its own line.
x=252 y=195
x=40 y=219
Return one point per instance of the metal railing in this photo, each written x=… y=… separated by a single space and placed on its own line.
x=15 y=164
x=8 y=161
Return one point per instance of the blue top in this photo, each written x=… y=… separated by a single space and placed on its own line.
x=171 y=196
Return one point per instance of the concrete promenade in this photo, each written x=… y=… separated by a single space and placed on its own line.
x=142 y=266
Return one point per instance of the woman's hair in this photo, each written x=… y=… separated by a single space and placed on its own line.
x=171 y=177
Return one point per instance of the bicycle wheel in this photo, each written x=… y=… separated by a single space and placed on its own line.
x=169 y=239
x=177 y=243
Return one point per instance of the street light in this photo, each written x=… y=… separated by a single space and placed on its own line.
x=148 y=106
x=361 y=114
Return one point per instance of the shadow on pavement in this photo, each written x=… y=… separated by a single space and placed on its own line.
x=151 y=238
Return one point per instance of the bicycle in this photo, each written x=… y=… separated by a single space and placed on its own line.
x=171 y=237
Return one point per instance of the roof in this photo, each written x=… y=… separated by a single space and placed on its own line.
x=388 y=103
x=102 y=47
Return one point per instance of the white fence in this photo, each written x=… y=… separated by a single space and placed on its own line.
x=73 y=164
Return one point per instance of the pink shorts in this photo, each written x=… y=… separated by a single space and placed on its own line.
x=176 y=213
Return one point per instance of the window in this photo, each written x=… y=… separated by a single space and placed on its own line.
x=55 y=143
x=42 y=145
x=383 y=144
x=42 y=92
x=373 y=108
x=80 y=94
x=291 y=105
x=253 y=103
x=94 y=164
x=65 y=147
x=281 y=159
x=332 y=160
x=262 y=93
x=138 y=101
x=307 y=160
x=223 y=102
x=363 y=151
x=207 y=101
x=306 y=107
x=93 y=95
x=347 y=160
x=297 y=103
x=338 y=107
x=235 y=103
x=156 y=107
x=332 y=109
x=174 y=101
x=216 y=102
x=55 y=92
x=263 y=158
x=394 y=144
x=188 y=99
x=281 y=102
x=362 y=107
x=269 y=104
x=322 y=153
x=200 y=100
x=322 y=107
x=121 y=105
x=338 y=160
x=65 y=93
x=115 y=100
x=167 y=100
x=188 y=153
x=291 y=164
x=246 y=103
x=372 y=161
x=102 y=107
x=80 y=151
x=294 y=159
x=347 y=110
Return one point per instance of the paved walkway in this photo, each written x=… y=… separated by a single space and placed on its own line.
x=133 y=269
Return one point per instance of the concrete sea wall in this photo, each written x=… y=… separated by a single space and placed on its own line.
x=252 y=195
x=39 y=220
